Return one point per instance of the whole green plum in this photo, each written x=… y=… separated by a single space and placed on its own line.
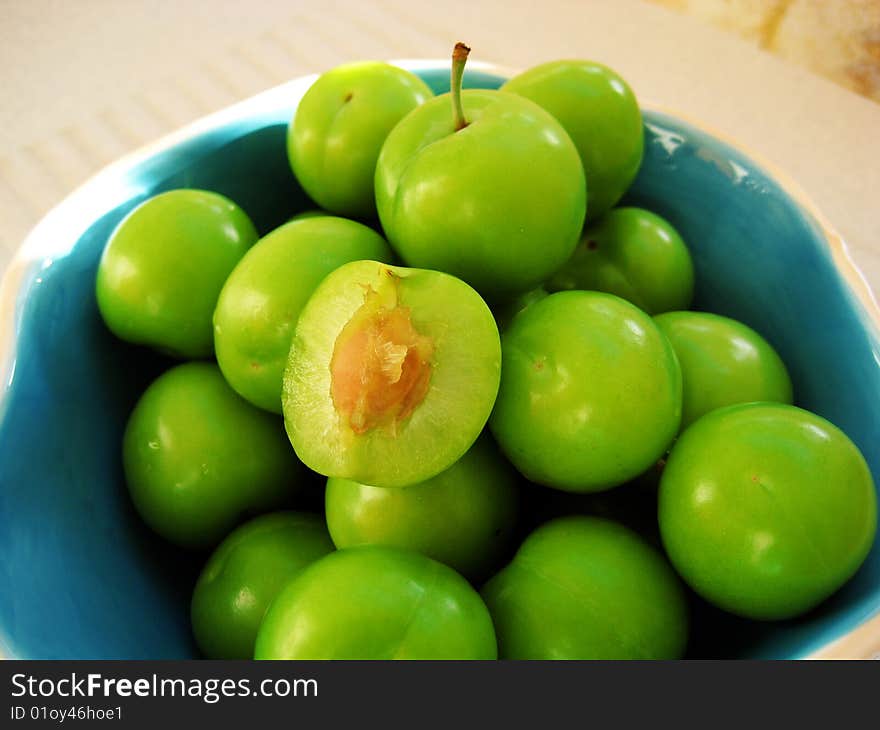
x=599 y=111
x=590 y=392
x=340 y=126
x=244 y=574
x=766 y=509
x=198 y=457
x=463 y=517
x=164 y=265
x=377 y=602
x=493 y=194
x=587 y=588
x=260 y=303
x=723 y=362
x=634 y=254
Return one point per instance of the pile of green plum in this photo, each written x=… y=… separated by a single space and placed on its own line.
x=561 y=490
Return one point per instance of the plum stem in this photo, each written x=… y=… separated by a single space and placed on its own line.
x=459 y=59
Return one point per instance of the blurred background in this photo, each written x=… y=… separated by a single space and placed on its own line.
x=85 y=81
x=838 y=39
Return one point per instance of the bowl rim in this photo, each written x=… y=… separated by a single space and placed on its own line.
x=77 y=210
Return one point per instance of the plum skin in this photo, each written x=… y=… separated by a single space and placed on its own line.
x=723 y=362
x=261 y=301
x=377 y=602
x=197 y=457
x=339 y=128
x=766 y=509
x=163 y=268
x=499 y=204
x=245 y=573
x=634 y=254
x=590 y=392
x=587 y=588
x=598 y=109
x=463 y=517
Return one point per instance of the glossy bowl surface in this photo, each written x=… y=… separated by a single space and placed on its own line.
x=80 y=577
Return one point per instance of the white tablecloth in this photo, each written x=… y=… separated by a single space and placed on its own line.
x=85 y=81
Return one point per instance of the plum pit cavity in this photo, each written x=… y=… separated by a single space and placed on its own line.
x=381 y=365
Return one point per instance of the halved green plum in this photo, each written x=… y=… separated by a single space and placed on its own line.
x=263 y=297
x=463 y=517
x=392 y=374
x=245 y=573
x=375 y=602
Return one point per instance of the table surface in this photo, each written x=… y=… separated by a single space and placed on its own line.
x=85 y=82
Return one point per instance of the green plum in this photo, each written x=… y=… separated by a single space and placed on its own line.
x=766 y=509
x=376 y=602
x=634 y=254
x=590 y=393
x=599 y=111
x=198 y=457
x=164 y=265
x=340 y=126
x=392 y=374
x=723 y=362
x=244 y=574
x=494 y=195
x=587 y=588
x=463 y=517
x=260 y=303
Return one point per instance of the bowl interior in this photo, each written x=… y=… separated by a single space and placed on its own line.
x=80 y=577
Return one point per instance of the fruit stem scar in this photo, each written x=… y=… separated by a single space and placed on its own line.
x=381 y=364
x=459 y=59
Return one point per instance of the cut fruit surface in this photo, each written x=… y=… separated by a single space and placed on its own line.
x=392 y=374
x=381 y=366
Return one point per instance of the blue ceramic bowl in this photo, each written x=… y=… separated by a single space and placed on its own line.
x=80 y=577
